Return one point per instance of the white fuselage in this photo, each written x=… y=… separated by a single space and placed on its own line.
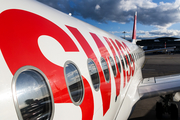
x=32 y=34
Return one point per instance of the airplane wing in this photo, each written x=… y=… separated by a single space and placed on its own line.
x=169 y=86
x=156 y=86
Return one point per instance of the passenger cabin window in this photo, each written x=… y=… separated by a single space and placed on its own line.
x=122 y=62
x=94 y=74
x=74 y=83
x=33 y=97
x=125 y=61
x=113 y=65
x=105 y=69
x=136 y=56
x=118 y=63
x=128 y=59
x=132 y=57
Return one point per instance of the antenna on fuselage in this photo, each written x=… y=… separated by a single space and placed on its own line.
x=70 y=14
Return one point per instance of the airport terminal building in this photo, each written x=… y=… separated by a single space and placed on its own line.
x=162 y=42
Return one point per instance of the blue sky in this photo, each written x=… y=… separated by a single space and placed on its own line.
x=156 y=18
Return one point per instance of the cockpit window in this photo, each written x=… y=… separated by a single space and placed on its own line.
x=74 y=83
x=118 y=63
x=94 y=74
x=113 y=65
x=105 y=69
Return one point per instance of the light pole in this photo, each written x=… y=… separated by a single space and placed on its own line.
x=124 y=34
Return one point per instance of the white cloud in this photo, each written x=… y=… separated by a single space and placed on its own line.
x=160 y=15
x=127 y=5
x=148 y=4
x=97 y=7
x=165 y=32
x=159 y=33
x=150 y=34
x=121 y=32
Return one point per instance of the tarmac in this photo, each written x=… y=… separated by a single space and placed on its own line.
x=156 y=65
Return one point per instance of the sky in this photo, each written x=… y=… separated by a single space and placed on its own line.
x=155 y=18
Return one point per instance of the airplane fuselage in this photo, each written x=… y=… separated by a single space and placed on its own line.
x=90 y=73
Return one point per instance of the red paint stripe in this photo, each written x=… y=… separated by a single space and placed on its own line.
x=20 y=31
x=124 y=72
x=118 y=77
x=106 y=87
x=90 y=54
x=128 y=50
x=122 y=48
x=19 y=45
